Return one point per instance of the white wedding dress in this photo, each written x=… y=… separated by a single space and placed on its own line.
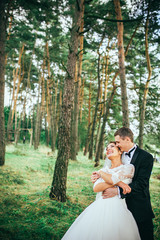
x=106 y=219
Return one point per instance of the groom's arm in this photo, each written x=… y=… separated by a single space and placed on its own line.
x=110 y=192
x=141 y=182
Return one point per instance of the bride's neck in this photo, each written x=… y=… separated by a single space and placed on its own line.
x=115 y=163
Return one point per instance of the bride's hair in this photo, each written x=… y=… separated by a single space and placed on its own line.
x=114 y=143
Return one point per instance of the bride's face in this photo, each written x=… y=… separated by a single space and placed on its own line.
x=112 y=151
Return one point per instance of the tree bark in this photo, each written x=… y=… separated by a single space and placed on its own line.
x=95 y=113
x=2 y=80
x=74 y=123
x=17 y=131
x=121 y=56
x=89 y=121
x=108 y=105
x=146 y=89
x=38 y=119
x=58 y=188
x=75 y=140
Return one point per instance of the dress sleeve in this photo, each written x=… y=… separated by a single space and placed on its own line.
x=126 y=172
x=100 y=180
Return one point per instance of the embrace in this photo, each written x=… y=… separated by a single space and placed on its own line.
x=122 y=210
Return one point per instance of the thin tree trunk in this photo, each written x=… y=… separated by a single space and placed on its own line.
x=75 y=140
x=51 y=105
x=18 y=130
x=9 y=124
x=58 y=188
x=121 y=56
x=75 y=113
x=98 y=134
x=31 y=135
x=108 y=105
x=2 y=80
x=146 y=89
x=10 y=18
x=36 y=137
x=87 y=141
x=81 y=98
x=38 y=118
x=81 y=85
x=89 y=121
x=19 y=81
x=95 y=113
x=55 y=119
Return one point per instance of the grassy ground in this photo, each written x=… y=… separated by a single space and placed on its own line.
x=26 y=212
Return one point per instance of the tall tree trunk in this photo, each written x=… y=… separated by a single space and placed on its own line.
x=89 y=121
x=121 y=56
x=37 y=127
x=58 y=188
x=95 y=113
x=75 y=140
x=52 y=103
x=99 y=150
x=108 y=105
x=38 y=119
x=2 y=81
x=9 y=124
x=81 y=99
x=74 y=123
x=146 y=89
x=17 y=132
x=55 y=119
x=10 y=18
x=16 y=74
x=98 y=134
x=20 y=78
x=81 y=85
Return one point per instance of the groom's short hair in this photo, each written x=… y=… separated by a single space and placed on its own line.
x=124 y=132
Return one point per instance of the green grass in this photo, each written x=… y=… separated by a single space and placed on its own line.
x=26 y=212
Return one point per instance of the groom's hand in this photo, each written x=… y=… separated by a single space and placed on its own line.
x=110 y=192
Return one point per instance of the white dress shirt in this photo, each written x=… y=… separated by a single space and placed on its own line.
x=125 y=158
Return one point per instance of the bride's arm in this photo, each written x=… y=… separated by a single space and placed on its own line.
x=100 y=187
x=126 y=172
x=106 y=177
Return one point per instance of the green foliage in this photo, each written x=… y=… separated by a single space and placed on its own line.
x=26 y=209
x=36 y=22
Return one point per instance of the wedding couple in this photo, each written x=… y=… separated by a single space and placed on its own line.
x=122 y=210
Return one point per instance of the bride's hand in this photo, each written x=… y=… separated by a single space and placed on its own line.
x=126 y=188
x=94 y=177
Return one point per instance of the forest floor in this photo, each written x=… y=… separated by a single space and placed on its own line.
x=26 y=211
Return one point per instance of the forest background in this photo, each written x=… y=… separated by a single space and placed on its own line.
x=72 y=73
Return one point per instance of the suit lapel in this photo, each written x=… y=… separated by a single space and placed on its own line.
x=135 y=155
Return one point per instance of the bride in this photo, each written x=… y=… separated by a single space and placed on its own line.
x=107 y=219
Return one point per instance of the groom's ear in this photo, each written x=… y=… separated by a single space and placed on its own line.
x=127 y=139
x=120 y=152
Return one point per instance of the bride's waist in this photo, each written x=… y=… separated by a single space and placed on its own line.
x=101 y=197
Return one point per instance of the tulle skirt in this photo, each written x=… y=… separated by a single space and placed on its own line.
x=104 y=219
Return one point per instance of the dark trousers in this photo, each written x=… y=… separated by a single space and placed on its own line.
x=146 y=230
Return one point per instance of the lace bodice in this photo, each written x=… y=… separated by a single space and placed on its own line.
x=122 y=173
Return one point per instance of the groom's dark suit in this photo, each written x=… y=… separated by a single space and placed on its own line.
x=138 y=201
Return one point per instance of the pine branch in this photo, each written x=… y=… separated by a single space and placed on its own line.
x=114 y=20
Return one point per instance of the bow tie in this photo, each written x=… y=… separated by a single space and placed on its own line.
x=129 y=153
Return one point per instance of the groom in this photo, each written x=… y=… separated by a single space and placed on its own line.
x=138 y=200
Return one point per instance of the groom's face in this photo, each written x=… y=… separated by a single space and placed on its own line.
x=122 y=143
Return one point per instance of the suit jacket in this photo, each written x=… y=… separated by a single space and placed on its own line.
x=138 y=201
